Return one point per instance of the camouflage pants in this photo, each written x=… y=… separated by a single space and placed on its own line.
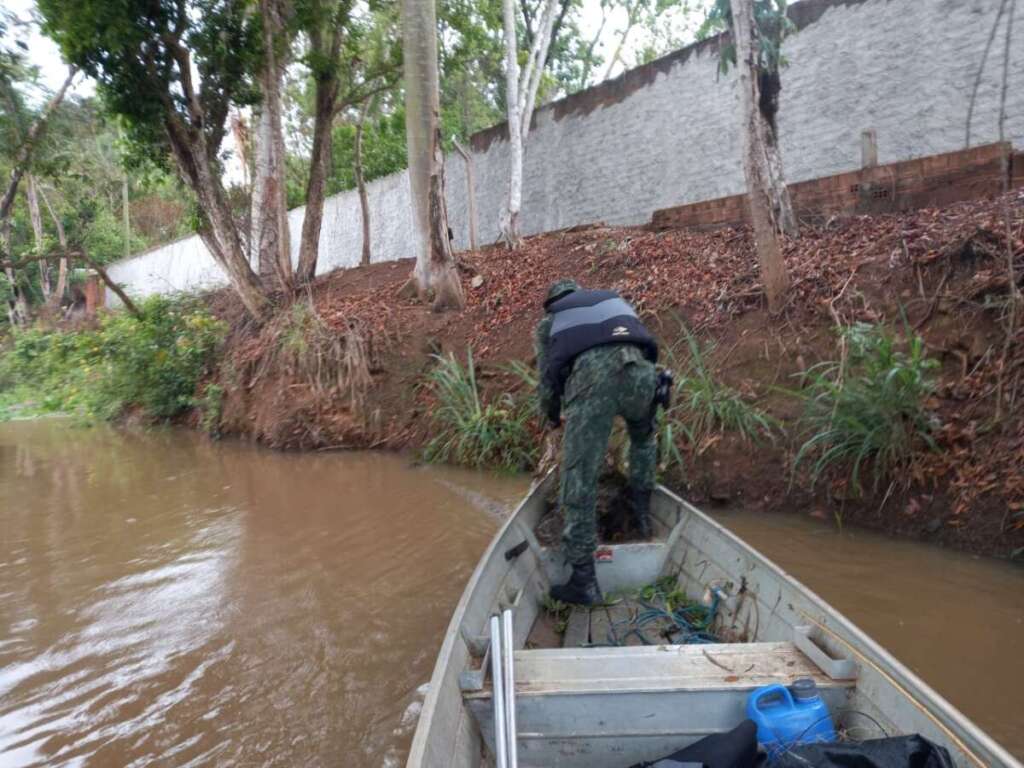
x=606 y=382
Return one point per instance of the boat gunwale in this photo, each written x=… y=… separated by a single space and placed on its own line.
x=419 y=742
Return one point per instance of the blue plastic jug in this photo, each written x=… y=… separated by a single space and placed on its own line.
x=785 y=718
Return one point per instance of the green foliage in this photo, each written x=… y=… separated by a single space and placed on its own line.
x=141 y=52
x=79 y=174
x=773 y=26
x=6 y=289
x=670 y=432
x=383 y=151
x=154 y=363
x=558 y=611
x=870 y=408
x=211 y=404
x=703 y=406
x=472 y=432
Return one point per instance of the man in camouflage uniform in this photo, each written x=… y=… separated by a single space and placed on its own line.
x=596 y=362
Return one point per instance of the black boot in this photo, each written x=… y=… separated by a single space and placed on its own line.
x=581 y=589
x=640 y=500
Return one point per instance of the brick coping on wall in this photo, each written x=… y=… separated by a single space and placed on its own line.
x=923 y=182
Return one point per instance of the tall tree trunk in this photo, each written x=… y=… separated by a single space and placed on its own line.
x=28 y=144
x=62 y=270
x=194 y=155
x=769 y=87
x=435 y=269
x=17 y=307
x=126 y=216
x=510 y=216
x=529 y=83
x=521 y=95
x=261 y=260
x=319 y=166
x=218 y=232
x=444 y=277
x=240 y=131
x=271 y=238
x=36 y=218
x=470 y=194
x=327 y=86
x=364 y=199
x=755 y=159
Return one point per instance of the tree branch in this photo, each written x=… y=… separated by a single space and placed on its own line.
x=557 y=29
x=25 y=150
x=355 y=96
x=524 y=7
x=184 y=61
x=537 y=72
x=129 y=305
x=24 y=261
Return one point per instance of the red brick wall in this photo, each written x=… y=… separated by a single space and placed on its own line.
x=927 y=181
x=95 y=294
x=1017 y=170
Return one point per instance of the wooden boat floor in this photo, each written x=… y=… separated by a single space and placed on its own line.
x=733 y=667
x=611 y=625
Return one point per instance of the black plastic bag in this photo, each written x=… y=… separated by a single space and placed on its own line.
x=894 y=752
x=735 y=749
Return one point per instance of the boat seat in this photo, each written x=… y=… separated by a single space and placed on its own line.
x=589 y=706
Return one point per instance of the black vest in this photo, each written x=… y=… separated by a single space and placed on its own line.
x=587 y=319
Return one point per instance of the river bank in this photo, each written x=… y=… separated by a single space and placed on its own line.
x=884 y=394
x=348 y=369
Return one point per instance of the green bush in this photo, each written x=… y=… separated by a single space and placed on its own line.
x=868 y=409
x=472 y=432
x=153 y=363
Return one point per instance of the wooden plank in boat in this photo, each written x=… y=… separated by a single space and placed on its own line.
x=710 y=667
x=622 y=615
x=577 y=633
x=690 y=667
x=599 y=624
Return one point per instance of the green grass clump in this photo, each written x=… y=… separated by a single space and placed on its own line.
x=475 y=433
x=869 y=409
x=153 y=363
x=211 y=405
x=703 y=406
x=706 y=405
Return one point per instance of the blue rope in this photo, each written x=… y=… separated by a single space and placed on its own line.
x=691 y=622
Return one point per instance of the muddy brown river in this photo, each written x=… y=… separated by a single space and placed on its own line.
x=165 y=600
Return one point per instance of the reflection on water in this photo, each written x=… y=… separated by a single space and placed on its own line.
x=167 y=600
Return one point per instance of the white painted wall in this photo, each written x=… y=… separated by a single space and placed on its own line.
x=668 y=134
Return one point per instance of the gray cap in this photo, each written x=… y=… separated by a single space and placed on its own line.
x=560 y=288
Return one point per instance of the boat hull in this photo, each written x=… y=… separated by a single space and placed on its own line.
x=765 y=607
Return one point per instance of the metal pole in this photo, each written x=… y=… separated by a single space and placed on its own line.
x=498 y=696
x=508 y=645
